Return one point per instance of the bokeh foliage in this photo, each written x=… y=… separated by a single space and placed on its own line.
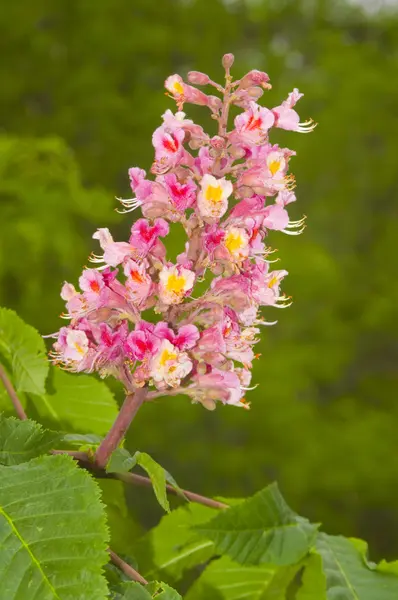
x=81 y=94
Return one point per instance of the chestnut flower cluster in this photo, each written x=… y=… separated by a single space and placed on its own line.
x=227 y=192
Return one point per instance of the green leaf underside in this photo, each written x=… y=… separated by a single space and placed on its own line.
x=23 y=347
x=172 y=547
x=53 y=536
x=136 y=591
x=80 y=403
x=121 y=461
x=224 y=579
x=347 y=574
x=20 y=441
x=262 y=529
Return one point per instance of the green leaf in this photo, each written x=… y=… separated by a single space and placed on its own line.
x=135 y=591
x=224 y=579
x=347 y=573
x=22 y=440
x=313 y=581
x=171 y=547
x=79 y=439
x=80 y=403
x=162 y=591
x=157 y=476
x=121 y=461
x=24 y=349
x=262 y=529
x=124 y=530
x=53 y=535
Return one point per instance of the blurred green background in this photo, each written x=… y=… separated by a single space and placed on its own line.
x=81 y=92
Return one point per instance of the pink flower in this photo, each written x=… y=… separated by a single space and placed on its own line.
x=275 y=217
x=114 y=252
x=213 y=197
x=139 y=284
x=169 y=365
x=216 y=385
x=252 y=126
x=287 y=118
x=74 y=301
x=175 y=282
x=206 y=303
x=144 y=237
x=92 y=284
x=168 y=145
x=182 y=195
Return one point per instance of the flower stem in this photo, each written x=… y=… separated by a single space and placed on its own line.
x=13 y=394
x=126 y=568
x=118 y=430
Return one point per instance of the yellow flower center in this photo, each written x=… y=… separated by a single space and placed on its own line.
x=234 y=242
x=274 y=166
x=166 y=356
x=176 y=283
x=273 y=281
x=178 y=88
x=79 y=348
x=214 y=194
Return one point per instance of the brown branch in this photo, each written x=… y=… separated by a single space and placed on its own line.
x=118 y=430
x=126 y=568
x=145 y=481
x=134 y=478
x=12 y=394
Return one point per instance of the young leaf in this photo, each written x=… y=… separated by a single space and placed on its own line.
x=80 y=403
x=131 y=591
x=262 y=529
x=53 y=535
x=157 y=476
x=347 y=573
x=135 y=591
x=161 y=591
x=79 y=440
x=22 y=440
x=23 y=347
x=171 y=547
x=227 y=580
x=121 y=461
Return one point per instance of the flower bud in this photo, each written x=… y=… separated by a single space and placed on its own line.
x=254 y=77
x=198 y=78
x=214 y=103
x=217 y=142
x=255 y=92
x=228 y=61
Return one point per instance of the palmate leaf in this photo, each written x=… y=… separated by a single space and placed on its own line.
x=347 y=573
x=172 y=547
x=21 y=441
x=262 y=529
x=80 y=403
x=24 y=349
x=53 y=535
x=136 y=591
x=224 y=579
